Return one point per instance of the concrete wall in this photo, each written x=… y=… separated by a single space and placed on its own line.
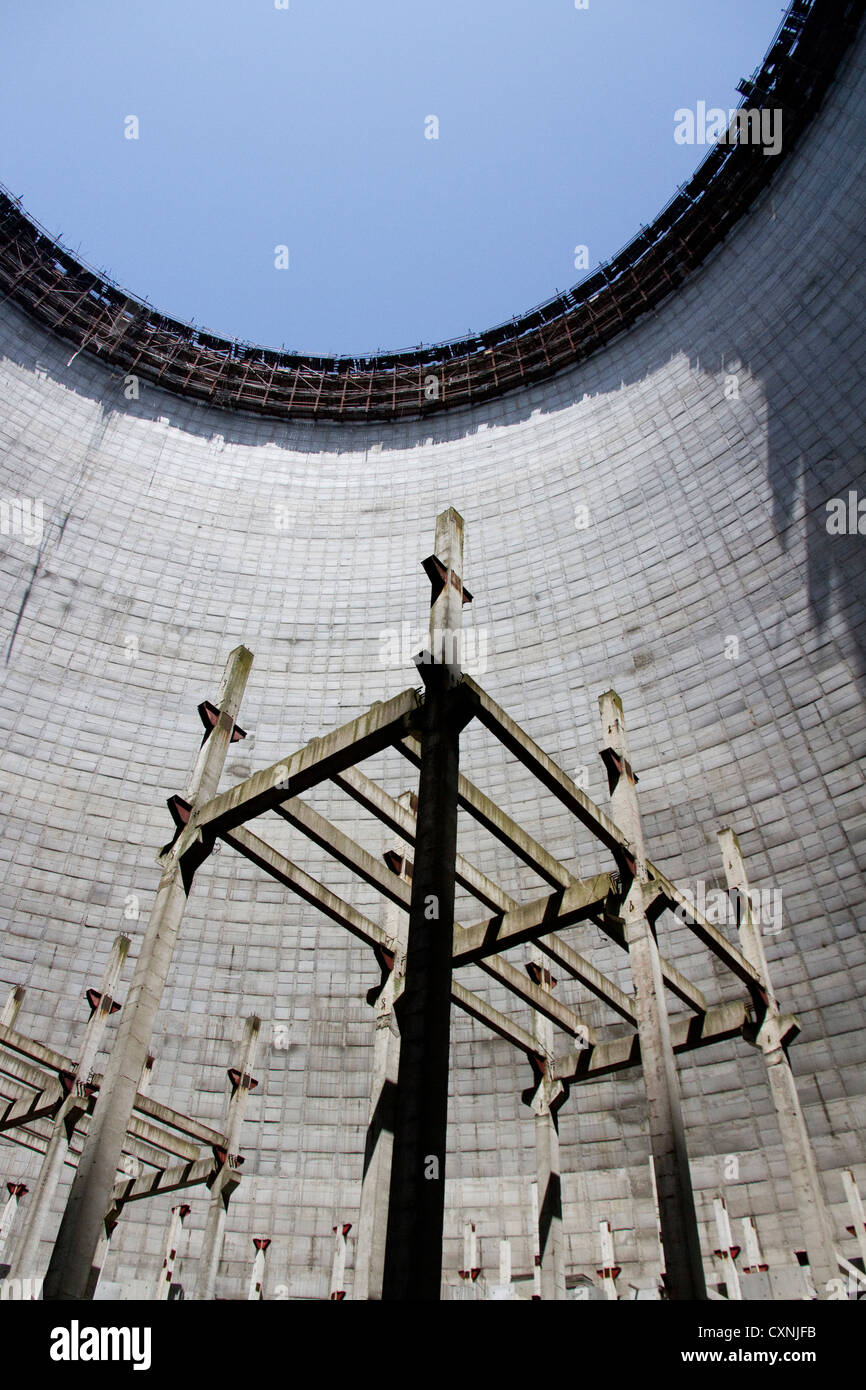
x=180 y=531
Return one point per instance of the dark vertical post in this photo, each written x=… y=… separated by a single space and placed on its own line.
x=413 y=1254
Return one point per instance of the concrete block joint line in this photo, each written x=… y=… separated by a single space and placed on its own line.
x=633 y=529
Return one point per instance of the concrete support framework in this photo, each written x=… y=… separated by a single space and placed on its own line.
x=811 y=1204
x=683 y=1263
x=73 y=1272
x=78 y=1088
x=226 y=1178
x=400 y=1235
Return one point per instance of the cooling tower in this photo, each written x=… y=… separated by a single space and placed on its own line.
x=646 y=509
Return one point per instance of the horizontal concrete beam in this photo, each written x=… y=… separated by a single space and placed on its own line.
x=308 y=888
x=33 y=1064
x=166 y=1180
x=532 y=920
x=322 y=833
x=539 y=999
x=497 y=1022
x=527 y=751
x=717 y=1024
x=494 y=819
x=706 y=931
x=26 y=1110
x=313 y=892
x=320 y=760
x=560 y=784
x=402 y=821
x=581 y=969
x=675 y=981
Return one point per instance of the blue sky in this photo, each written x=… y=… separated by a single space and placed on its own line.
x=305 y=127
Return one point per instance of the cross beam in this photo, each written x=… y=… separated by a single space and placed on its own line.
x=321 y=759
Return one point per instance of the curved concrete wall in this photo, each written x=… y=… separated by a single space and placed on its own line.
x=175 y=533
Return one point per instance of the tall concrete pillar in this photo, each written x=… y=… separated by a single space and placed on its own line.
x=655 y=1195
x=505 y=1264
x=257 y=1279
x=471 y=1268
x=16 y=1191
x=855 y=1206
x=813 y=1214
x=545 y=1103
x=376 y=1182
x=536 y=1253
x=72 y=1273
x=413 y=1255
x=223 y=1184
x=27 y=1261
x=609 y=1272
x=166 y=1274
x=338 y=1264
x=755 y=1263
x=683 y=1262
x=727 y=1251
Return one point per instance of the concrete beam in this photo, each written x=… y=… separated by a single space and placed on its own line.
x=718 y=1024
x=165 y=1180
x=532 y=920
x=319 y=761
x=306 y=887
x=541 y=1000
x=401 y=820
x=527 y=751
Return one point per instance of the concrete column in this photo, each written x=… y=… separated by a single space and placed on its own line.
x=12 y=1004
x=536 y=1254
x=610 y=1270
x=545 y=1103
x=858 y=1216
x=338 y=1264
x=505 y=1264
x=811 y=1205
x=226 y=1179
x=754 y=1259
x=257 y=1278
x=378 y=1151
x=166 y=1274
x=684 y=1265
x=413 y=1255
x=146 y=1077
x=471 y=1268
x=26 y=1263
x=727 y=1252
x=655 y=1192
x=108 y=1228
x=16 y=1191
x=72 y=1273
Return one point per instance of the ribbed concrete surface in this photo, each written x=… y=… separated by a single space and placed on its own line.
x=187 y=531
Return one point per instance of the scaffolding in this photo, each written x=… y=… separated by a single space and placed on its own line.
x=85 y=308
